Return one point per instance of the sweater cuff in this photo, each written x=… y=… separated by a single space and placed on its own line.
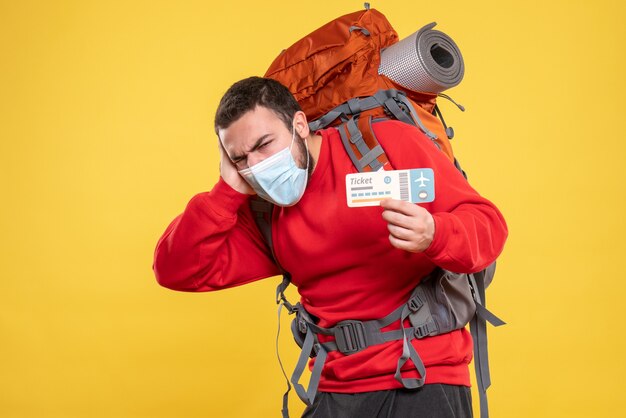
x=442 y=231
x=224 y=200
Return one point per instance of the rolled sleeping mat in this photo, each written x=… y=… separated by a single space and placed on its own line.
x=427 y=61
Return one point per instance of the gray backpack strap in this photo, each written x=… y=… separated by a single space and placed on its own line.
x=281 y=300
x=352 y=107
x=408 y=351
x=285 y=410
x=478 y=329
x=395 y=103
x=351 y=134
x=308 y=347
x=406 y=102
x=352 y=336
x=262 y=211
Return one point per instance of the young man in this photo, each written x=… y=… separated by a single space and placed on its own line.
x=348 y=263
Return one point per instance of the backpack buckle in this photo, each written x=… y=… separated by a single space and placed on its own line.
x=425 y=330
x=415 y=303
x=302 y=325
x=350 y=336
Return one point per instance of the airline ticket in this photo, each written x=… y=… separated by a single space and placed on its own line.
x=368 y=189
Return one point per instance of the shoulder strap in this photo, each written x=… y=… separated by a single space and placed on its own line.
x=362 y=145
x=262 y=211
x=356 y=131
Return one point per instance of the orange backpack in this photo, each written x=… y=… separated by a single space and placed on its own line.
x=333 y=74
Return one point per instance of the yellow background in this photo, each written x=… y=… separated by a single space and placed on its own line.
x=106 y=113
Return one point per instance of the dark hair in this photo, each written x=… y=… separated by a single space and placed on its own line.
x=251 y=92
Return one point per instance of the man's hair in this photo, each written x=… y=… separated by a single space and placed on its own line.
x=251 y=92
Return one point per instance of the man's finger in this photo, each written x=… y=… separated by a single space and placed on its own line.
x=402 y=244
x=400 y=232
x=401 y=206
x=397 y=218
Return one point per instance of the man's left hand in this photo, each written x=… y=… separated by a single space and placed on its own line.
x=411 y=227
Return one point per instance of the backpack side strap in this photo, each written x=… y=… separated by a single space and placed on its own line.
x=478 y=330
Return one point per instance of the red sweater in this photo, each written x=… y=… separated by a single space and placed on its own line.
x=340 y=258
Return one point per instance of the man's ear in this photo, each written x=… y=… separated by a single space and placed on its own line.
x=301 y=124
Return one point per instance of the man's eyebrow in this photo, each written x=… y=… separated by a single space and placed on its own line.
x=256 y=145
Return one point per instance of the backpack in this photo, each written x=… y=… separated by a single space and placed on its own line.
x=334 y=75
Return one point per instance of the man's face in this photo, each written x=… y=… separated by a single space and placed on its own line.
x=257 y=135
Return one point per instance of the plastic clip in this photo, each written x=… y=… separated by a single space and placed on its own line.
x=350 y=337
x=415 y=303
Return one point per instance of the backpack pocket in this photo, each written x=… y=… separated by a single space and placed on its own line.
x=447 y=303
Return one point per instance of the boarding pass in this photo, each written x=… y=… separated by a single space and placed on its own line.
x=368 y=189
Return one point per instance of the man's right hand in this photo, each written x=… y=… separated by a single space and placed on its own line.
x=230 y=174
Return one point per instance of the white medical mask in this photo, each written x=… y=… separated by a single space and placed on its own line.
x=278 y=179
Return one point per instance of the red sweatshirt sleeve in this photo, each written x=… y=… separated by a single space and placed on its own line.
x=469 y=230
x=214 y=244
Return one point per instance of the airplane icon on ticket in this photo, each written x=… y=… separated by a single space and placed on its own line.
x=421 y=179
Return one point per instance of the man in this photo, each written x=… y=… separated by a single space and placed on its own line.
x=348 y=263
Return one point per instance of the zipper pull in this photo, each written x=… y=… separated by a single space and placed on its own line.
x=449 y=130
x=445 y=96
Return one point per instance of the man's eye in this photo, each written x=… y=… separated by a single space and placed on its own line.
x=263 y=145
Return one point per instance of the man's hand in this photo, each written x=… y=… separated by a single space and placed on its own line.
x=411 y=227
x=230 y=174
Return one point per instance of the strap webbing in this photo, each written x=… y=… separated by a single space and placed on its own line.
x=356 y=138
x=487 y=315
x=398 y=113
x=405 y=101
x=478 y=330
x=307 y=348
x=357 y=133
x=372 y=335
x=389 y=99
x=383 y=337
x=285 y=410
x=350 y=134
x=408 y=351
x=262 y=209
x=347 y=109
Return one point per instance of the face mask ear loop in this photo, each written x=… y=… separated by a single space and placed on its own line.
x=293 y=136
x=306 y=145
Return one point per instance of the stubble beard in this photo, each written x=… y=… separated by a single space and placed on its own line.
x=302 y=156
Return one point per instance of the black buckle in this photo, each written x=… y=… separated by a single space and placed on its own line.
x=415 y=303
x=316 y=349
x=423 y=330
x=302 y=326
x=350 y=336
